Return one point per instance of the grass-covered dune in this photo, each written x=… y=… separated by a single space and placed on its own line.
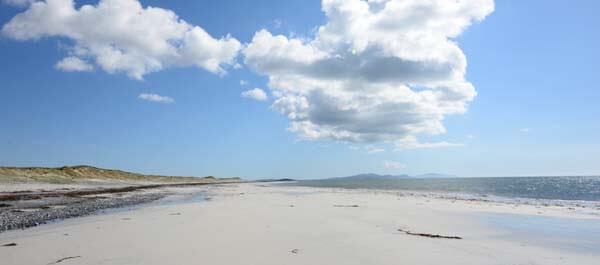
x=70 y=174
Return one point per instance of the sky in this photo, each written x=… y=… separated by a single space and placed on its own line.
x=302 y=89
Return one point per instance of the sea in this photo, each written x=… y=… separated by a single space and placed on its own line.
x=584 y=188
x=573 y=234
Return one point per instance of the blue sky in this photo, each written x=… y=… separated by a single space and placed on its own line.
x=533 y=64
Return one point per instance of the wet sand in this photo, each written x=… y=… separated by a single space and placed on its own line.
x=272 y=224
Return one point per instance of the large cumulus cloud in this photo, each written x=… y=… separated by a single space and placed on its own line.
x=123 y=36
x=379 y=70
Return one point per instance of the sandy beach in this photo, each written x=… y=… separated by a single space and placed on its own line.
x=294 y=132
x=275 y=224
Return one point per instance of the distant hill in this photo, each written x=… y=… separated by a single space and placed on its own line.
x=69 y=174
x=377 y=176
x=372 y=176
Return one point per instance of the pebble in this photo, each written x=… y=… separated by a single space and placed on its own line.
x=10 y=220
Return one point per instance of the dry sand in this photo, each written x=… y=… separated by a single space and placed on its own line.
x=267 y=224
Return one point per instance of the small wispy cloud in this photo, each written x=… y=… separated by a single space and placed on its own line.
x=525 y=130
x=277 y=23
x=73 y=64
x=370 y=149
x=393 y=164
x=374 y=149
x=156 y=98
x=243 y=82
x=257 y=94
x=470 y=136
x=412 y=143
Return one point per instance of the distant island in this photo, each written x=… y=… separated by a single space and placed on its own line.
x=404 y=176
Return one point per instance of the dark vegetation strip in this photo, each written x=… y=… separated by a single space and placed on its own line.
x=34 y=195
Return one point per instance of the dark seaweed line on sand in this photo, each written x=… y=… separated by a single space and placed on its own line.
x=428 y=235
x=29 y=195
x=63 y=259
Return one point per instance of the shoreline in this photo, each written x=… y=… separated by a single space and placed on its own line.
x=263 y=223
x=546 y=189
x=588 y=209
x=43 y=206
x=28 y=208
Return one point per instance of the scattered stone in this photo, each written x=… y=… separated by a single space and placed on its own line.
x=10 y=245
x=175 y=214
x=4 y=205
x=350 y=206
x=19 y=219
x=429 y=235
x=295 y=251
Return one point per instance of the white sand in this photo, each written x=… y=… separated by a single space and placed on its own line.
x=256 y=224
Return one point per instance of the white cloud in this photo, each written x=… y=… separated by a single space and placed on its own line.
x=156 y=98
x=525 y=130
x=393 y=165
x=73 y=64
x=377 y=71
x=256 y=93
x=243 y=82
x=370 y=149
x=411 y=142
x=124 y=36
x=374 y=149
x=18 y=3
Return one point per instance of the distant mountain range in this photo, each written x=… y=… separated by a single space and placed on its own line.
x=377 y=176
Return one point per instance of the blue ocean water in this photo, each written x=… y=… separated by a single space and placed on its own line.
x=553 y=188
